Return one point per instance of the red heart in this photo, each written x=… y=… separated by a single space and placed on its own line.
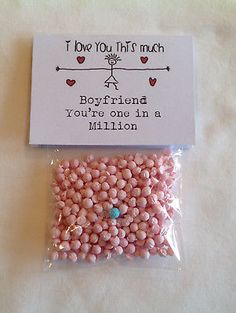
x=152 y=81
x=80 y=59
x=144 y=59
x=70 y=82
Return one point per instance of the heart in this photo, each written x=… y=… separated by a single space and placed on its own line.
x=80 y=59
x=70 y=82
x=152 y=81
x=144 y=59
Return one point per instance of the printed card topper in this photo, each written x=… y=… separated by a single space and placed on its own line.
x=112 y=90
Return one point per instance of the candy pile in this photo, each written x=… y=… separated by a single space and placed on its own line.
x=112 y=206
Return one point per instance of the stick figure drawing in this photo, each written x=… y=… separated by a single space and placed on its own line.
x=112 y=59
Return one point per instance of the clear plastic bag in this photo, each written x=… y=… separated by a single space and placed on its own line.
x=115 y=204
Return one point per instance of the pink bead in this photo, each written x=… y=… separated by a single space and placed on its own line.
x=79 y=184
x=115 y=241
x=126 y=173
x=118 y=250
x=133 y=182
x=144 y=254
x=112 y=180
x=66 y=211
x=105 y=186
x=102 y=166
x=136 y=192
x=81 y=220
x=140 y=243
x=92 y=217
x=87 y=203
x=128 y=188
x=123 y=209
x=72 y=177
x=72 y=256
x=60 y=204
x=135 y=212
x=103 y=195
x=76 y=197
x=143 y=226
x=104 y=225
x=96 y=249
x=146 y=191
x=65 y=235
x=60 y=177
x=121 y=233
x=131 y=165
x=77 y=232
x=140 y=234
x=121 y=195
x=96 y=186
x=144 y=216
x=134 y=227
x=153 y=221
x=98 y=208
x=87 y=177
x=123 y=242
x=153 y=251
x=159 y=239
x=141 y=202
x=113 y=230
x=121 y=183
x=131 y=237
x=88 y=193
x=149 y=163
x=160 y=195
x=111 y=169
x=107 y=254
x=149 y=244
x=153 y=199
x=132 y=202
x=75 y=244
x=105 y=235
x=91 y=258
x=82 y=212
x=155 y=229
x=144 y=174
x=65 y=246
x=65 y=184
x=55 y=232
x=74 y=208
x=82 y=256
x=85 y=247
x=93 y=238
x=84 y=238
x=130 y=249
x=122 y=163
x=80 y=171
x=97 y=228
x=112 y=193
x=70 y=220
x=62 y=255
x=157 y=208
x=95 y=173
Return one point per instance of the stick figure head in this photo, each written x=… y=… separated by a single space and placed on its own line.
x=112 y=58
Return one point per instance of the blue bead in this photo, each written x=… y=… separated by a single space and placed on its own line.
x=114 y=213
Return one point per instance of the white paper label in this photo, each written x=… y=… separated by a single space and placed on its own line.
x=112 y=90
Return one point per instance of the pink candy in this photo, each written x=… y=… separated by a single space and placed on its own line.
x=85 y=192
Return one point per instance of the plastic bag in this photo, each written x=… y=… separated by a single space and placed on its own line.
x=113 y=204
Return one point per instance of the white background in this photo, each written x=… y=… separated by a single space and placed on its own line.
x=208 y=281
